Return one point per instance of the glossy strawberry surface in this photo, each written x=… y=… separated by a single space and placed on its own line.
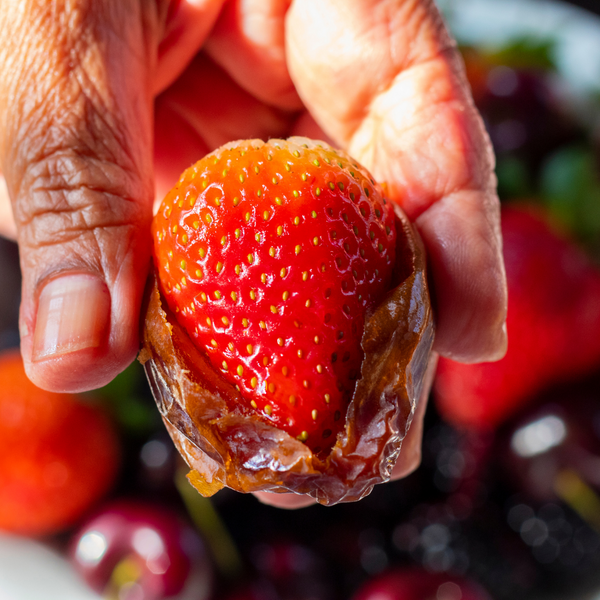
x=270 y=255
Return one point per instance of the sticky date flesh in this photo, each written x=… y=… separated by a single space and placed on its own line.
x=224 y=447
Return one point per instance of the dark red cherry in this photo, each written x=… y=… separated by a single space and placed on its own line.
x=418 y=584
x=138 y=551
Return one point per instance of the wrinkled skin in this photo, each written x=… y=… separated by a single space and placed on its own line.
x=89 y=87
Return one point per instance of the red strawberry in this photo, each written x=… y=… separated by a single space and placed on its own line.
x=270 y=255
x=553 y=326
x=58 y=454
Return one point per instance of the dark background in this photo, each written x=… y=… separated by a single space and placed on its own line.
x=592 y=5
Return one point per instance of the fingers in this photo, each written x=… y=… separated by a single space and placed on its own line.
x=392 y=90
x=189 y=122
x=75 y=145
x=248 y=41
x=410 y=454
x=187 y=24
x=461 y=234
x=306 y=126
x=345 y=54
x=8 y=229
x=287 y=501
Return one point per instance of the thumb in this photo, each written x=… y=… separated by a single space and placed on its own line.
x=75 y=147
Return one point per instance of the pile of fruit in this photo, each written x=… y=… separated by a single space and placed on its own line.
x=506 y=504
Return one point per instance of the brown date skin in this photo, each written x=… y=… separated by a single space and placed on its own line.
x=225 y=447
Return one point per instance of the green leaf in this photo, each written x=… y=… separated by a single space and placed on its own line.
x=129 y=399
x=570 y=188
x=124 y=383
x=526 y=53
x=514 y=180
x=136 y=414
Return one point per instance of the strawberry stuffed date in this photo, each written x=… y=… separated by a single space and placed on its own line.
x=288 y=323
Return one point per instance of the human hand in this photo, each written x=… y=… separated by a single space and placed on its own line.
x=78 y=84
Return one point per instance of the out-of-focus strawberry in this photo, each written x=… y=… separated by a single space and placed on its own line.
x=270 y=255
x=58 y=454
x=553 y=326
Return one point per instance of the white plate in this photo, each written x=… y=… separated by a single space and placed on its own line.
x=32 y=571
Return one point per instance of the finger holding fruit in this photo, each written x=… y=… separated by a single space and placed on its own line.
x=270 y=255
x=289 y=330
x=77 y=150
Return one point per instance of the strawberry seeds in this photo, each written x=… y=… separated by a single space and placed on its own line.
x=270 y=254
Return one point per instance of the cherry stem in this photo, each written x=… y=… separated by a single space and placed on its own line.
x=576 y=493
x=126 y=572
x=208 y=522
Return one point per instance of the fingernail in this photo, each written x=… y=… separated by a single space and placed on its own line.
x=73 y=314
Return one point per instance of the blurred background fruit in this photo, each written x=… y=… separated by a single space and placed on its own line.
x=414 y=584
x=59 y=454
x=506 y=504
x=553 y=325
x=139 y=551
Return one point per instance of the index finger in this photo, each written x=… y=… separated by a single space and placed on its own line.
x=385 y=80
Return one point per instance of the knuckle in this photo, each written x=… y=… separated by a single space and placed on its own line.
x=66 y=196
x=76 y=162
x=75 y=134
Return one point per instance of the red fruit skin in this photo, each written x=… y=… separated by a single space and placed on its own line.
x=418 y=584
x=58 y=454
x=164 y=556
x=553 y=326
x=224 y=446
x=270 y=255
